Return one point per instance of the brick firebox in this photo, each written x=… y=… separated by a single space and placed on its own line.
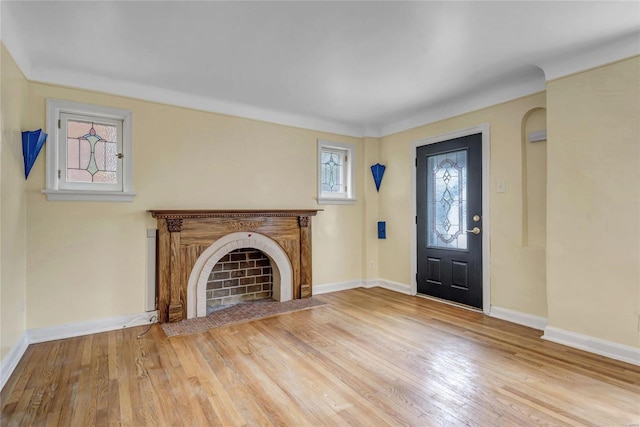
x=241 y=275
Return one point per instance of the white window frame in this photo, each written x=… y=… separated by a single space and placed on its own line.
x=349 y=195
x=57 y=187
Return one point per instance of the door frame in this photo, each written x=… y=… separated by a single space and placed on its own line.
x=486 y=223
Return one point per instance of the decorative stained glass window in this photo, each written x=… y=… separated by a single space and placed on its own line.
x=92 y=152
x=333 y=171
x=89 y=153
x=447 y=200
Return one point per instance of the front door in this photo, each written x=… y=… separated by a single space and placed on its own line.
x=449 y=219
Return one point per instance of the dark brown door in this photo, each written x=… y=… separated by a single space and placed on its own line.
x=449 y=220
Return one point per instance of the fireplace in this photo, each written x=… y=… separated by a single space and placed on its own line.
x=192 y=242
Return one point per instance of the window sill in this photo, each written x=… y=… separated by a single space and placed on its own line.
x=336 y=201
x=88 y=196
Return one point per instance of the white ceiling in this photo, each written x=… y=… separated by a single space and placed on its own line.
x=357 y=68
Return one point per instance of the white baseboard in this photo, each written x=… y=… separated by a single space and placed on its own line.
x=388 y=284
x=37 y=335
x=599 y=346
x=338 y=286
x=524 y=319
x=560 y=336
x=583 y=342
x=10 y=361
x=352 y=284
x=70 y=330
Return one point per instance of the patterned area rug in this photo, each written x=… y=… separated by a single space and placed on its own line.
x=239 y=313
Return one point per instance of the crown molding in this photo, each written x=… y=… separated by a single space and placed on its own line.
x=187 y=100
x=580 y=60
x=9 y=37
x=197 y=102
x=487 y=97
x=553 y=68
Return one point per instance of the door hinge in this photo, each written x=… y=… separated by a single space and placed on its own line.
x=59 y=124
x=416 y=277
x=59 y=174
x=416 y=219
x=416 y=162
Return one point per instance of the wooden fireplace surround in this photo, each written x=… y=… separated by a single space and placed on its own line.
x=183 y=235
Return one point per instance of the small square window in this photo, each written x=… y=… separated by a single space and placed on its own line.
x=335 y=172
x=89 y=153
x=92 y=150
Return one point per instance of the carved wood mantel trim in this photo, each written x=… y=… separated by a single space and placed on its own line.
x=182 y=214
x=183 y=235
x=174 y=225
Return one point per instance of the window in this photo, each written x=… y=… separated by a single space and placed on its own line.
x=335 y=172
x=89 y=154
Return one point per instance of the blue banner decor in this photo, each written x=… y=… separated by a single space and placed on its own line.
x=32 y=142
x=378 y=171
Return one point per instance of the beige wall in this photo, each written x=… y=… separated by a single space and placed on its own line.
x=75 y=261
x=514 y=282
x=13 y=205
x=87 y=260
x=593 y=213
x=370 y=266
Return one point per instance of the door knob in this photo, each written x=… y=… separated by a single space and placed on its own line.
x=475 y=230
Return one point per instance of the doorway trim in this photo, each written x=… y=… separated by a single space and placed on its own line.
x=486 y=217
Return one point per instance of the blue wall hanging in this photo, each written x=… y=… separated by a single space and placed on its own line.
x=32 y=142
x=382 y=230
x=378 y=171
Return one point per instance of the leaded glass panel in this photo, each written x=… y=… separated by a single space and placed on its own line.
x=332 y=171
x=92 y=152
x=447 y=200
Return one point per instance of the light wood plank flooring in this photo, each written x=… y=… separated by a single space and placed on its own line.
x=370 y=357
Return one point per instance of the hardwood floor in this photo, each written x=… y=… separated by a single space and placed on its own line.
x=370 y=357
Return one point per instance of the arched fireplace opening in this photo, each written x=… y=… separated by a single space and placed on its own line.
x=282 y=274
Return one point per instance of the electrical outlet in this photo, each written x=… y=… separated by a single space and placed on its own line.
x=501 y=186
